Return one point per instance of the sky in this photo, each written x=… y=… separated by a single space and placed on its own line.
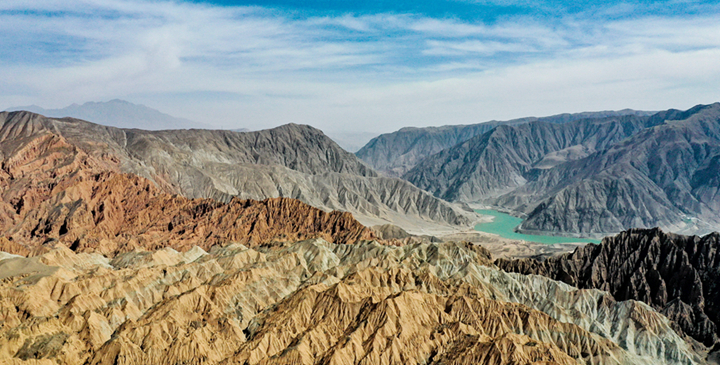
x=361 y=66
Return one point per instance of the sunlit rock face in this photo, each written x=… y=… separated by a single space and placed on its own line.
x=52 y=193
x=290 y=161
x=315 y=302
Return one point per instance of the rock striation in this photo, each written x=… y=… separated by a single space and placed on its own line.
x=291 y=161
x=393 y=154
x=502 y=159
x=314 y=302
x=675 y=274
x=661 y=176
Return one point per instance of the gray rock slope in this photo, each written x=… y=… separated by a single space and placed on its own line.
x=395 y=153
x=289 y=161
x=117 y=113
x=664 y=176
x=590 y=176
x=500 y=160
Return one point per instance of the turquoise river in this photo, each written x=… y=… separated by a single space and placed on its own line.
x=504 y=225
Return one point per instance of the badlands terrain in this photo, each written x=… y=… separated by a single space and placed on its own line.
x=125 y=246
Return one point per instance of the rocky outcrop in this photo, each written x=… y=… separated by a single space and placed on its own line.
x=675 y=274
x=53 y=193
x=661 y=176
x=291 y=161
x=313 y=302
x=395 y=153
x=392 y=234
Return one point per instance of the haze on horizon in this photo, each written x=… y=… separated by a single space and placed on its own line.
x=371 y=66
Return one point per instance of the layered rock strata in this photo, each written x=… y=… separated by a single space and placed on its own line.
x=291 y=161
x=593 y=177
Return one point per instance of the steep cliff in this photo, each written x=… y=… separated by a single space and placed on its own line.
x=662 y=176
x=590 y=176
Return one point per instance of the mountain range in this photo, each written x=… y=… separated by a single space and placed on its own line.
x=293 y=161
x=590 y=176
x=393 y=154
x=123 y=114
x=675 y=274
x=117 y=113
x=127 y=246
x=315 y=302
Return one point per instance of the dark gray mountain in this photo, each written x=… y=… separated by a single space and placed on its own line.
x=117 y=113
x=677 y=275
x=395 y=153
x=663 y=176
x=491 y=164
x=590 y=176
x=293 y=161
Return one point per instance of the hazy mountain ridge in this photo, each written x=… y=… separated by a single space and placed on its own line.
x=589 y=176
x=122 y=272
x=117 y=113
x=395 y=153
x=351 y=141
x=288 y=161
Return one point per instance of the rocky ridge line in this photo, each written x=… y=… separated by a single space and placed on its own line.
x=393 y=154
x=292 y=161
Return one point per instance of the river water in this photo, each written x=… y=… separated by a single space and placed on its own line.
x=504 y=225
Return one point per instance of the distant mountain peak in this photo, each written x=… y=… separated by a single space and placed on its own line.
x=117 y=113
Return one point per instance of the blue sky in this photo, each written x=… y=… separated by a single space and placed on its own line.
x=360 y=65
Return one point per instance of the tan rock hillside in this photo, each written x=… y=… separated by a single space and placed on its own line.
x=53 y=193
x=313 y=302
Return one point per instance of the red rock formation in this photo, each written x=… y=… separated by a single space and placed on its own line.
x=53 y=193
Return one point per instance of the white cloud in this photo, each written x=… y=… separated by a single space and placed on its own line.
x=475 y=46
x=375 y=72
